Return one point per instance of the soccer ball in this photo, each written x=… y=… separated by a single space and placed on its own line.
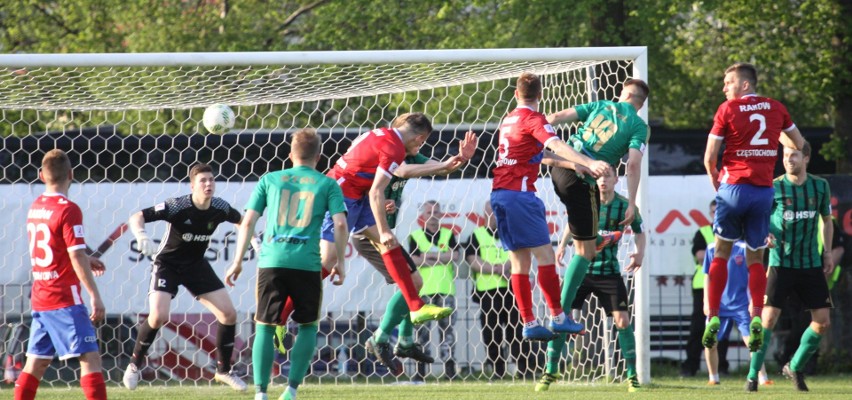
x=218 y=118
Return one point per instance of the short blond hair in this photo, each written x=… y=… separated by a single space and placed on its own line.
x=418 y=122
x=304 y=144
x=55 y=166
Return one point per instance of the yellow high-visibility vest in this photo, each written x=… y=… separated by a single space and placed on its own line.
x=437 y=279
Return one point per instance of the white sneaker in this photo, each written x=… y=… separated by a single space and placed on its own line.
x=261 y=396
x=231 y=380
x=131 y=377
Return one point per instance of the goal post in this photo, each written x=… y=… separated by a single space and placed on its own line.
x=132 y=126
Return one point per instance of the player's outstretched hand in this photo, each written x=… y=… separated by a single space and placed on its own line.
x=338 y=274
x=599 y=168
x=390 y=206
x=233 y=273
x=467 y=147
x=635 y=263
x=629 y=215
x=453 y=164
x=827 y=263
x=582 y=171
x=145 y=244
x=98 y=267
x=560 y=254
x=98 y=310
x=388 y=240
x=770 y=241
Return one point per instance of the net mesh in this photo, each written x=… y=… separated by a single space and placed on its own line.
x=133 y=132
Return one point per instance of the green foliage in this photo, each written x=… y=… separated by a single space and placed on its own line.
x=794 y=43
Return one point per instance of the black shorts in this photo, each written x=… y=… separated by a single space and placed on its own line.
x=366 y=249
x=275 y=285
x=581 y=200
x=809 y=284
x=198 y=278
x=609 y=289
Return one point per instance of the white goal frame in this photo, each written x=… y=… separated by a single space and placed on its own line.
x=637 y=55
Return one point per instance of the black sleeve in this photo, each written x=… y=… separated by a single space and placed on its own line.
x=837 y=240
x=413 y=248
x=234 y=216
x=472 y=247
x=698 y=243
x=159 y=212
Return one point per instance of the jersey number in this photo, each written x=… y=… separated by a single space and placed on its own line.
x=602 y=128
x=756 y=140
x=288 y=209
x=34 y=230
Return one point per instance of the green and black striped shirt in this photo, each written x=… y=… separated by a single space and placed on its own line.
x=796 y=212
x=606 y=262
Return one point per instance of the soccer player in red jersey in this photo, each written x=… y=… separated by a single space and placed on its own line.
x=62 y=326
x=751 y=127
x=363 y=172
x=521 y=223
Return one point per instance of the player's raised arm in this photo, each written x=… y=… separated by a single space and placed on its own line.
x=245 y=232
x=83 y=270
x=136 y=223
x=561 y=117
x=711 y=156
x=568 y=153
x=792 y=138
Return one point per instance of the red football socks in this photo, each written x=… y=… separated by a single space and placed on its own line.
x=26 y=387
x=757 y=287
x=548 y=281
x=397 y=266
x=93 y=386
x=716 y=282
x=523 y=296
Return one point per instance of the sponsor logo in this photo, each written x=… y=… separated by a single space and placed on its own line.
x=187 y=222
x=393 y=167
x=549 y=128
x=796 y=215
x=160 y=207
x=297 y=240
x=676 y=216
x=78 y=231
x=188 y=237
x=90 y=339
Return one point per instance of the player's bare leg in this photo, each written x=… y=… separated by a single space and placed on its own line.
x=717 y=279
x=219 y=303
x=397 y=267
x=159 y=304
x=27 y=383
x=91 y=377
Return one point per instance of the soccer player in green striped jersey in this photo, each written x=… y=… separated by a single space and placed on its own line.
x=289 y=266
x=795 y=262
x=610 y=130
x=604 y=280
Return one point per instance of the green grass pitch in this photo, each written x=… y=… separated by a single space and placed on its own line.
x=822 y=387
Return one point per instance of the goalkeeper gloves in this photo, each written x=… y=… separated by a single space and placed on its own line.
x=144 y=243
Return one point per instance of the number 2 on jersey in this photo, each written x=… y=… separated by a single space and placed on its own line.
x=288 y=209
x=756 y=140
x=43 y=243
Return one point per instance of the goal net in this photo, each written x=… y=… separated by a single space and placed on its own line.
x=131 y=124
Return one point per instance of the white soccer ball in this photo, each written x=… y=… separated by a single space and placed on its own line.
x=218 y=118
